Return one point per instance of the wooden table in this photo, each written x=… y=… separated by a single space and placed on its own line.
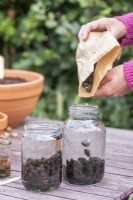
x=117 y=183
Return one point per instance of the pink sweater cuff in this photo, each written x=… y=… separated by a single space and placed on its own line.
x=127 y=19
x=128 y=72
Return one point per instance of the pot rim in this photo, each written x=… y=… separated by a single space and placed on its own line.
x=38 y=77
x=33 y=87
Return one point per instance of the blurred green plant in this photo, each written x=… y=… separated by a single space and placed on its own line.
x=131 y=197
x=41 y=36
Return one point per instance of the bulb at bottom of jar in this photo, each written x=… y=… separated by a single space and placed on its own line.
x=84 y=171
x=42 y=174
x=5 y=166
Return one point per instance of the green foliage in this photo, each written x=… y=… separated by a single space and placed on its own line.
x=131 y=197
x=41 y=36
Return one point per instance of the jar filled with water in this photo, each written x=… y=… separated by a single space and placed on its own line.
x=41 y=157
x=5 y=158
x=84 y=138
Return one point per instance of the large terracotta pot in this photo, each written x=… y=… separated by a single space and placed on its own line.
x=18 y=100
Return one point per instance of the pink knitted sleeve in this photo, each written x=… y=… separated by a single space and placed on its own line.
x=128 y=72
x=127 y=40
x=127 y=19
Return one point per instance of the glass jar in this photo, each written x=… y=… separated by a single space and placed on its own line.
x=41 y=158
x=5 y=158
x=83 y=151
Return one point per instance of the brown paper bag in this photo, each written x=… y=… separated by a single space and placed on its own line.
x=94 y=58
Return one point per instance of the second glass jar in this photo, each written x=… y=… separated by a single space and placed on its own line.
x=84 y=138
x=41 y=157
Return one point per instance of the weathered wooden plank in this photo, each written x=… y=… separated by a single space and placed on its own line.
x=119 y=180
x=107 y=184
x=110 y=169
x=16 y=156
x=83 y=189
x=116 y=132
x=96 y=189
x=119 y=157
x=113 y=155
x=113 y=132
x=5 y=197
x=119 y=171
x=19 y=194
x=89 y=190
x=59 y=194
x=122 y=151
x=118 y=144
x=112 y=185
x=115 y=167
x=119 y=164
x=114 y=136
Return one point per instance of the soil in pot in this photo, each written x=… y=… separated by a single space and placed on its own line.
x=11 y=80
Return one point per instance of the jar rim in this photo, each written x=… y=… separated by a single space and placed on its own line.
x=43 y=123
x=40 y=130
x=85 y=106
x=84 y=110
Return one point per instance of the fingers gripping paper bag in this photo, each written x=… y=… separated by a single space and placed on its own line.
x=94 y=58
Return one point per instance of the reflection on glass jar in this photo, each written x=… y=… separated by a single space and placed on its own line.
x=83 y=146
x=41 y=157
x=5 y=162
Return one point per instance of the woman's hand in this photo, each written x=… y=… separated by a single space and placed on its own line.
x=115 y=26
x=113 y=84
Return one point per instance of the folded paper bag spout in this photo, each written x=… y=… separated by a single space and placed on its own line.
x=3 y=121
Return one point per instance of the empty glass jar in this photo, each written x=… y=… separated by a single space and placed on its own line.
x=83 y=146
x=41 y=157
x=5 y=161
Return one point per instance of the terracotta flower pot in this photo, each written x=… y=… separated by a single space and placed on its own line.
x=18 y=100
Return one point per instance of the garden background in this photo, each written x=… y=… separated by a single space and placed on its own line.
x=41 y=35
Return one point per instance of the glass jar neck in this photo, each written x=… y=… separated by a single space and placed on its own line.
x=44 y=130
x=84 y=111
